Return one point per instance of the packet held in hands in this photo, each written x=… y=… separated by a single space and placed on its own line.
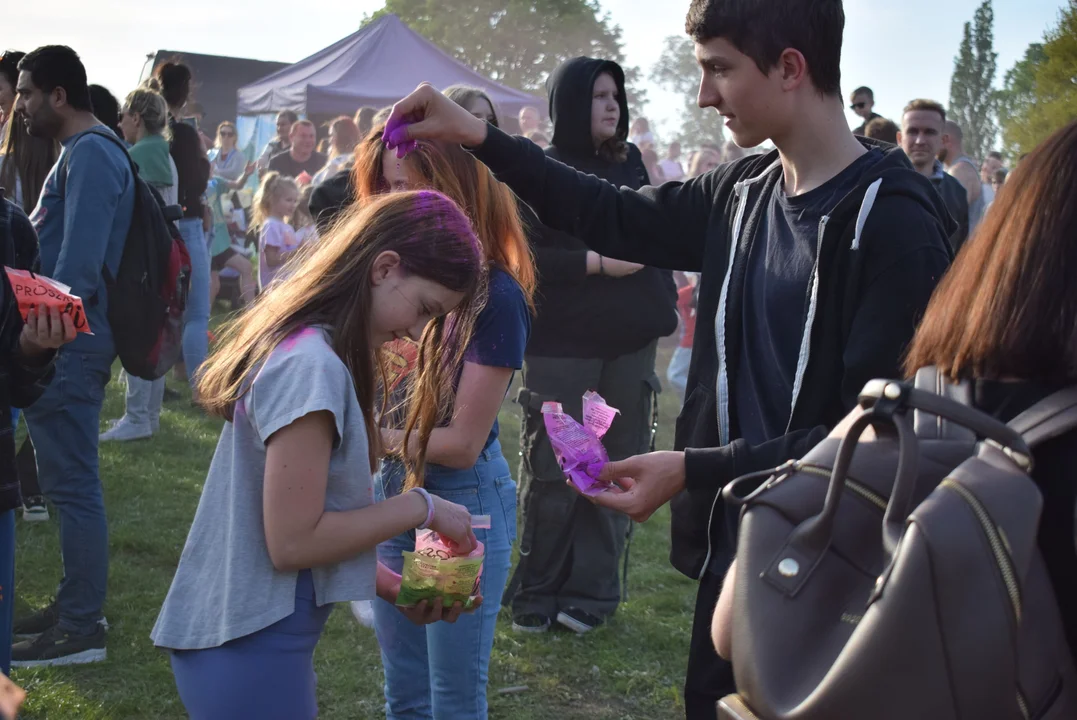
x=433 y=571
x=37 y=291
x=579 y=447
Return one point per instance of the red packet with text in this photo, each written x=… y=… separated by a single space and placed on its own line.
x=400 y=358
x=37 y=291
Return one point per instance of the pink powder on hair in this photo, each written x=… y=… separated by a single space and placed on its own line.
x=395 y=137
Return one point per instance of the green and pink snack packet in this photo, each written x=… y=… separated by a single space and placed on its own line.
x=435 y=570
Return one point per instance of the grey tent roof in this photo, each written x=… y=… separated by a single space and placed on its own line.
x=375 y=67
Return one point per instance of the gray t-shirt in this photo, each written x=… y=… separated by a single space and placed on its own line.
x=226 y=586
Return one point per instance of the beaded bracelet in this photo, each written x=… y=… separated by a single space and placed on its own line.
x=429 y=507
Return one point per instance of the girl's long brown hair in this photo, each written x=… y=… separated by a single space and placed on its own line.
x=27 y=160
x=1008 y=306
x=448 y=169
x=331 y=287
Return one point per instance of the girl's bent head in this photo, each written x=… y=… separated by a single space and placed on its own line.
x=402 y=265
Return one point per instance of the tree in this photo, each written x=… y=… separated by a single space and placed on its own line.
x=1041 y=90
x=1017 y=96
x=518 y=42
x=677 y=71
x=972 y=96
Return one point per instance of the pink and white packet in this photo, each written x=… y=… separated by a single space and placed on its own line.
x=579 y=447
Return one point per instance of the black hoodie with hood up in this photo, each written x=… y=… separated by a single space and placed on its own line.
x=881 y=252
x=592 y=316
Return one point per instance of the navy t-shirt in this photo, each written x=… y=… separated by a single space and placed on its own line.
x=776 y=296
x=501 y=330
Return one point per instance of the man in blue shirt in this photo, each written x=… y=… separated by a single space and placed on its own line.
x=82 y=220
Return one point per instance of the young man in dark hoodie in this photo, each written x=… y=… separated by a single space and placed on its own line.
x=816 y=262
x=597 y=327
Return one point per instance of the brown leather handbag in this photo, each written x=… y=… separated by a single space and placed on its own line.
x=900 y=579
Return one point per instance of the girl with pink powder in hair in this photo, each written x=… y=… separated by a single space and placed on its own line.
x=287 y=524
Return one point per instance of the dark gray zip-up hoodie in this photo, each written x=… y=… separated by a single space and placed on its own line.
x=881 y=253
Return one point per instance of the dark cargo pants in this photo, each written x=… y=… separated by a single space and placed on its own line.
x=569 y=547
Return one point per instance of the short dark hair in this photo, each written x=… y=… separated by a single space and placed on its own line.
x=9 y=65
x=764 y=29
x=922 y=104
x=291 y=116
x=882 y=129
x=58 y=66
x=106 y=108
x=863 y=90
x=995 y=155
x=1000 y=175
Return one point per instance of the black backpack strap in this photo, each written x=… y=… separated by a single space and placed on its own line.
x=1053 y=416
x=934 y=427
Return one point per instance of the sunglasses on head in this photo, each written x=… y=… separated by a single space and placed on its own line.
x=857 y=106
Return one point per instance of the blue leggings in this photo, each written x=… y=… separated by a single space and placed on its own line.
x=267 y=675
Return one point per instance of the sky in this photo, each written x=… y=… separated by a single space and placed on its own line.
x=901 y=50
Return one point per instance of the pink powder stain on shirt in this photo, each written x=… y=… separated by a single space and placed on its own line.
x=288 y=344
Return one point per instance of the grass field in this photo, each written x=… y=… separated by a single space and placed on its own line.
x=631 y=668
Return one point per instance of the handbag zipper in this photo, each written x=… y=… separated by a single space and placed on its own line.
x=1002 y=559
x=857 y=487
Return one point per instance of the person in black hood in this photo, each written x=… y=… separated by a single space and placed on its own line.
x=596 y=328
x=816 y=259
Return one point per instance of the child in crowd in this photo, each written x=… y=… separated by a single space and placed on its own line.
x=442 y=671
x=301 y=220
x=287 y=523
x=276 y=199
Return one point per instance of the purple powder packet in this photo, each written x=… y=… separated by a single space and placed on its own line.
x=395 y=137
x=579 y=447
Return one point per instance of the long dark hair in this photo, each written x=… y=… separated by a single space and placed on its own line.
x=1008 y=306
x=331 y=286
x=27 y=160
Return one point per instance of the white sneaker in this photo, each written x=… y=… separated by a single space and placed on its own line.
x=35 y=510
x=363 y=610
x=125 y=430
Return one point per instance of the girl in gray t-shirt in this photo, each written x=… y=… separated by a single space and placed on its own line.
x=287 y=523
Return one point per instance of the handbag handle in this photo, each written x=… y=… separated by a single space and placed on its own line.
x=894 y=396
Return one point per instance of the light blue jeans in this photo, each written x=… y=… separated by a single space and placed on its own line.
x=677 y=374
x=63 y=426
x=440 y=671
x=196 y=317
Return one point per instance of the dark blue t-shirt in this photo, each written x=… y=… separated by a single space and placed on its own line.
x=781 y=260
x=501 y=330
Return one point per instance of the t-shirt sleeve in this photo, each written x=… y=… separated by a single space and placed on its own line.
x=273 y=235
x=302 y=376
x=503 y=326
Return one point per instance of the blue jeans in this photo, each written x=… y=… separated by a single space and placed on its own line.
x=196 y=316
x=7 y=587
x=63 y=426
x=267 y=675
x=441 y=670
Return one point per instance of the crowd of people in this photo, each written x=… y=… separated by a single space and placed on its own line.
x=425 y=239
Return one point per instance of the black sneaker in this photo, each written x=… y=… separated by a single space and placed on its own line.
x=34 y=509
x=531 y=623
x=172 y=395
x=578 y=621
x=56 y=647
x=32 y=625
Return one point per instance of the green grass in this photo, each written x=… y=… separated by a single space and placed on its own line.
x=631 y=668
